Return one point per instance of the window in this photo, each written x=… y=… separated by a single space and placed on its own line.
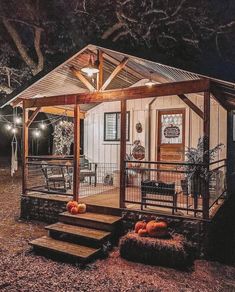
x=112 y=130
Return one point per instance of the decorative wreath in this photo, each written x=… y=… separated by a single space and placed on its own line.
x=63 y=137
x=138 y=151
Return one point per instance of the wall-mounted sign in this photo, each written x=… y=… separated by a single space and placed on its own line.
x=172 y=132
x=139 y=127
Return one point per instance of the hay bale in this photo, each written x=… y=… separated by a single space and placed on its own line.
x=174 y=252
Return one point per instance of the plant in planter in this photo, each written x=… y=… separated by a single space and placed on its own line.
x=196 y=170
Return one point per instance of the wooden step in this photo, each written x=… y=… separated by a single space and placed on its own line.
x=79 y=233
x=92 y=220
x=72 y=250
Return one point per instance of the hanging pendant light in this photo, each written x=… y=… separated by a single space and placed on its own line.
x=150 y=82
x=91 y=68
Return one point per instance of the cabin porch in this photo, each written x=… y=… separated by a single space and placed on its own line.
x=174 y=197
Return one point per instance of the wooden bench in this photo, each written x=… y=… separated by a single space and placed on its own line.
x=165 y=193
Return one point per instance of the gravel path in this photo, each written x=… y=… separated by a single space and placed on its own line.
x=21 y=270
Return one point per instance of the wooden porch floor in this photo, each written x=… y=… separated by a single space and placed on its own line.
x=110 y=198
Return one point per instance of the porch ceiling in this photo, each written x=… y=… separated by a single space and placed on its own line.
x=62 y=81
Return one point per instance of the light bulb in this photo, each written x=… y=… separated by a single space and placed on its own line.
x=42 y=126
x=150 y=83
x=61 y=122
x=8 y=127
x=14 y=130
x=37 y=133
x=17 y=120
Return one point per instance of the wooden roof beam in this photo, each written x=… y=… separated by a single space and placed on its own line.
x=193 y=107
x=115 y=72
x=83 y=79
x=33 y=116
x=100 y=78
x=61 y=112
x=165 y=89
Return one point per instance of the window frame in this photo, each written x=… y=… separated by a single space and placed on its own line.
x=128 y=129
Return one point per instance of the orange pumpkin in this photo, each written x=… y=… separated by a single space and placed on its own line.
x=81 y=208
x=71 y=204
x=142 y=232
x=140 y=225
x=156 y=228
x=74 y=210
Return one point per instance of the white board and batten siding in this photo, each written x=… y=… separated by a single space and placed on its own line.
x=100 y=151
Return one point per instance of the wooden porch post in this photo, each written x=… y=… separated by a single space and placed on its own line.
x=206 y=159
x=25 y=141
x=122 y=154
x=76 y=154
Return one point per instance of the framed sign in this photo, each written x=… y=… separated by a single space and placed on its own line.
x=172 y=132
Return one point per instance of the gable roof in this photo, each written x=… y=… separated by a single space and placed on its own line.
x=61 y=81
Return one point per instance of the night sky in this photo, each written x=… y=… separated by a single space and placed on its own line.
x=195 y=35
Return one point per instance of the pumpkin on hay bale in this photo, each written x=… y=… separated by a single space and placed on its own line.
x=174 y=252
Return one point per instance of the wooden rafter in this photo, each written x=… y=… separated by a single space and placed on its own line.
x=16 y=102
x=193 y=107
x=165 y=89
x=83 y=79
x=100 y=78
x=114 y=73
x=33 y=116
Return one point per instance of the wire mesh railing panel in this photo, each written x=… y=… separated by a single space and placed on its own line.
x=162 y=186
x=217 y=181
x=49 y=174
x=54 y=175
x=99 y=179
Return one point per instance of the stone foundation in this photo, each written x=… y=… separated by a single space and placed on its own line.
x=42 y=207
x=47 y=208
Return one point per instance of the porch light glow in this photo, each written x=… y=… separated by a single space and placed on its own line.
x=150 y=82
x=90 y=69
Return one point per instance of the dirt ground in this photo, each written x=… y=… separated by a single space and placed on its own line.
x=21 y=270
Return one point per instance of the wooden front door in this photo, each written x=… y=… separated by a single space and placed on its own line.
x=171 y=135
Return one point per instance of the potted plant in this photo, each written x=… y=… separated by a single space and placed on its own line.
x=197 y=172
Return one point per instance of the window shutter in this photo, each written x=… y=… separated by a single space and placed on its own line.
x=110 y=127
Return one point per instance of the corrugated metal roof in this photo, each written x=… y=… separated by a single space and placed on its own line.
x=61 y=81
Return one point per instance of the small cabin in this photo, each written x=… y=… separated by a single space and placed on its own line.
x=142 y=135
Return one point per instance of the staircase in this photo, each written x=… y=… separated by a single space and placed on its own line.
x=79 y=237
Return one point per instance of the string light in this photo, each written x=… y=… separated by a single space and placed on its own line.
x=8 y=127
x=17 y=120
x=14 y=130
x=36 y=133
x=42 y=126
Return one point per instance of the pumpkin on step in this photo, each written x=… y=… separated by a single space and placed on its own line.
x=140 y=225
x=81 y=208
x=71 y=204
x=143 y=232
x=74 y=210
x=157 y=228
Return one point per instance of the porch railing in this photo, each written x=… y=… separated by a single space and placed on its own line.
x=54 y=175
x=172 y=186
